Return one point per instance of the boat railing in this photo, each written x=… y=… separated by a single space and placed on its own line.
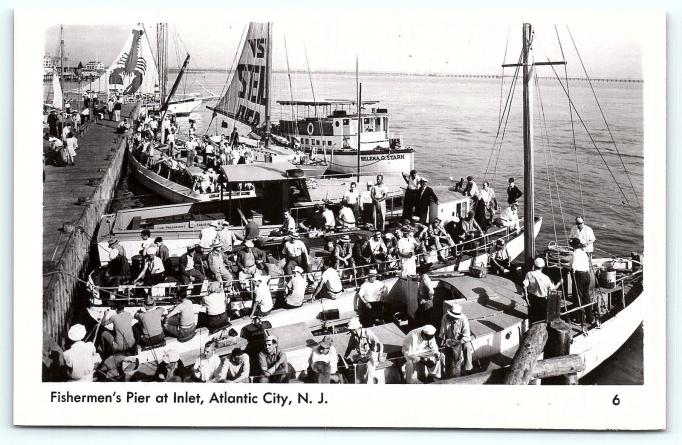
x=349 y=275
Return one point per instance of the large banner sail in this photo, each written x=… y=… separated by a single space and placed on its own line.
x=57 y=96
x=134 y=70
x=246 y=96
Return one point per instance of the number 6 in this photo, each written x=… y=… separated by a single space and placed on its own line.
x=616 y=400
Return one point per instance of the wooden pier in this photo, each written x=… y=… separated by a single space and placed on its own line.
x=74 y=199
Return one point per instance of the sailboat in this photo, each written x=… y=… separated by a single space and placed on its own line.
x=333 y=131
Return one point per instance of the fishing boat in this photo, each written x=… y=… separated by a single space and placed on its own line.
x=347 y=141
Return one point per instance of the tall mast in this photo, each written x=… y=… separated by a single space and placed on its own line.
x=268 y=78
x=162 y=56
x=358 y=87
x=61 y=58
x=528 y=159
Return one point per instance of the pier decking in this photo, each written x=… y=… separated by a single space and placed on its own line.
x=74 y=199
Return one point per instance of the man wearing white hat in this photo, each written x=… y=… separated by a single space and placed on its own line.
x=81 y=358
x=208 y=235
x=296 y=254
x=246 y=261
x=367 y=348
x=536 y=287
x=216 y=264
x=295 y=289
x=227 y=237
x=455 y=335
x=371 y=295
x=423 y=359
x=585 y=234
x=153 y=271
x=262 y=297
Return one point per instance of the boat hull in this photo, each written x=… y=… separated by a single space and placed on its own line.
x=371 y=161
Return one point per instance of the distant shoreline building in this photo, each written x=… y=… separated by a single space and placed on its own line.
x=92 y=70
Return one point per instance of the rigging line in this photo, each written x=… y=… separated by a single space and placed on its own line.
x=549 y=148
x=506 y=122
x=507 y=108
x=504 y=61
x=627 y=201
x=291 y=89
x=310 y=77
x=608 y=127
x=570 y=113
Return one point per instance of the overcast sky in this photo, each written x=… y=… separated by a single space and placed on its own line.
x=418 y=42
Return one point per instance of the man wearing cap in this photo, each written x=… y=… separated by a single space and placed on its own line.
x=170 y=367
x=148 y=329
x=216 y=303
x=274 y=367
x=510 y=217
x=367 y=205
x=181 y=321
x=409 y=201
x=115 y=244
x=153 y=271
x=81 y=358
x=422 y=356
x=122 y=339
x=189 y=270
x=343 y=254
x=262 y=297
x=296 y=254
x=513 y=192
x=371 y=296
x=330 y=283
x=227 y=237
x=580 y=266
x=455 y=336
x=536 y=287
x=294 y=291
x=585 y=234
x=235 y=368
x=246 y=261
x=217 y=266
x=208 y=236
x=500 y=260
x=424 y=198
x=346 y=216
x=379 y=193
x=325 y=353
x=471 y=189
x=438 y=236
x=117 y=271
x=367 y=348
x=377 y=249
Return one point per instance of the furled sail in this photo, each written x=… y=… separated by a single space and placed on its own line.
x=134 y=70
x=246 y=97
x=57 y=95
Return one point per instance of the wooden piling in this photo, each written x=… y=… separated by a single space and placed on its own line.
x=532 y=345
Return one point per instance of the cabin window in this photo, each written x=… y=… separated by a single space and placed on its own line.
x=329 y=142
x=317 y=142
x=366 y=121
x=336 y=124
x=346 y=122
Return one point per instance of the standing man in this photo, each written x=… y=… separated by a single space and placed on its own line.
x=424 y=197
x=536 y=287
x=471 y=189
x=227 y=237
x=456 y=337
x=366 y=205
x=191 y=147
x=161 y=249
x=585 y=234
x=371 y=296
x=379 y=193
x=110 y=108
x=352 y=197
x=513 y=192
x=208 y=235
x=425 y=292
x=252 y=229
x=117 y=109
x=409 y=201
x=580 y=265
x=422 y=355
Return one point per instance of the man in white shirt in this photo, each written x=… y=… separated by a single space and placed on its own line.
x=191 y=147
x=206 y=368
x=235 y=368
x=471 y=189
x=585 y=234
x=227 y=237
x=377 y=248
x=536 y=288
x=328 y=214
x=288 y=224
x=330 y=283
x=295 y=289
x=407 y=247
x=366 y=205
x=346 y=216
x=208 y=235
x=262 y=300
x=296 y=253
x=423 y=359
x=324 y=353
x=580 y=266
x=379 y=194
x=352 y=197
x=510 y=218
x=370 y=296
x=410 y=200
x=81 y=358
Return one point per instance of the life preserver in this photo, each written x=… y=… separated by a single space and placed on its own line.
x=311 y=128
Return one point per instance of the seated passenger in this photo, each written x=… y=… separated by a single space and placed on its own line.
x=152 y=271
x=295 y=289
x=148 y=328
x=371 y=296
x=216 y=304
x=346 y=216
x=500 y=260
x=329 y=220
x=323 y=363
x=181 y=321
x=235 y=368
x=121 y=337
x=274 y=367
